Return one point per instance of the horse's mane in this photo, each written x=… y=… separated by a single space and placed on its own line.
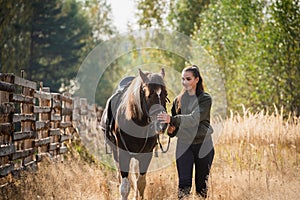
x=131 y=101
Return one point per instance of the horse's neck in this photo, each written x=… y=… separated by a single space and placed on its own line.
x=143 y=121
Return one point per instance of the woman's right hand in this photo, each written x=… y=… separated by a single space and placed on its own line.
x=164 y=117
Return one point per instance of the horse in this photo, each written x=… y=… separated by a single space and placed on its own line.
x=134 y=130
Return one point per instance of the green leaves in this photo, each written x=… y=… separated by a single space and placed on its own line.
x=256 y=46
x=49 y=39
x=184 y=15
x=152 y=13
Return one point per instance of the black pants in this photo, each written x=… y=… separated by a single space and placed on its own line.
x=188 y=155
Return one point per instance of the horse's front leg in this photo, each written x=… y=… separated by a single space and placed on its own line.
x=134 y=175
x=144 y=162
x=124 y=160
x=124 y=188
x=141 y=185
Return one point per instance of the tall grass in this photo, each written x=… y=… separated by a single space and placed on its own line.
x=257 y=157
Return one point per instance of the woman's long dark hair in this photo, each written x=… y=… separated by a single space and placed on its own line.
x=199 y=89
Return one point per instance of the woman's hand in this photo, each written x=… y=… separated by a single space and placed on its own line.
x=164 y=118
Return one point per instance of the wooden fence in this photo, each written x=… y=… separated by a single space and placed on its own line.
x=35 y=122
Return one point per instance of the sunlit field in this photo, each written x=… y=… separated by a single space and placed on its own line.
x=257 y=157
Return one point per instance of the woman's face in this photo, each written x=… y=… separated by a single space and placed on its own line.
x=189 y=81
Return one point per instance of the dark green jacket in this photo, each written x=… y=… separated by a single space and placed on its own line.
x=192 y=121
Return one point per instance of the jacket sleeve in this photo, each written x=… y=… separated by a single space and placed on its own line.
x=187 y=120
x=205 y=107
x=198 y=114
x=173 y=111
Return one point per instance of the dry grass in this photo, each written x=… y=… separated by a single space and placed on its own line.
x=257 y=157
x=74 y=178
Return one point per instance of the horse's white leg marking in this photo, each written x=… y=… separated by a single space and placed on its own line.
x=118 y=174
x=125 y=188
x=134 y=166
x=141 y=184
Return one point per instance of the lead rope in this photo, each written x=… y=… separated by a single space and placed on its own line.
x=158 y=138
x=161 y=147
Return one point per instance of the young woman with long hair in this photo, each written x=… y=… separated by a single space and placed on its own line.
x=190 y=123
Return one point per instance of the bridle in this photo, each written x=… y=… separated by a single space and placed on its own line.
x=152 y=118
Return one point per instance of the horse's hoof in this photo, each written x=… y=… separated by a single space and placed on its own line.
x=125 y=188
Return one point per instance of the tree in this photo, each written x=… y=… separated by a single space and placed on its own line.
x=229 y=32
x=184 y=15
x=151 y=13
x=256 y=46
x=49 y=39
x=58 y=33
x=282 y=49
x=156 y=14
x=14 y=40
x=98 y=14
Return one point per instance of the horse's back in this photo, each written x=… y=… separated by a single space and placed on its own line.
x=111 y=107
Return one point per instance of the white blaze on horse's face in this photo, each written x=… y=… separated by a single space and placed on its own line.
x=154 y=110
x=159 y=127
x=158 y=91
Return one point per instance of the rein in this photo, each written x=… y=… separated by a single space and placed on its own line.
x=132 y=153
x=161 y=147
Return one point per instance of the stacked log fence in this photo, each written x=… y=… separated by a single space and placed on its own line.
x=35 y=123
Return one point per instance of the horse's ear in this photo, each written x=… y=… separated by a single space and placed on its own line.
x=162 y=72
x=144 y=77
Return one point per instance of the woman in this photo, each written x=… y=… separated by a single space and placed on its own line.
x=190 y=123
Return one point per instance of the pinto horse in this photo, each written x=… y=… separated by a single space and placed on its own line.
x=135 y=128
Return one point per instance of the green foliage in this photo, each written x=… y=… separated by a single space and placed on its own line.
x=256 y=46
x=282 y=52
x=255 y=43
x=58 y=32
x=49 y=39
x=151 y=13
x=184 y=14
x=98 y=14
x=15 y=39
x=228 y=30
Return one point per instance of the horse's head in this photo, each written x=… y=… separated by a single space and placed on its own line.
x=153 y=98
x=144 y=98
